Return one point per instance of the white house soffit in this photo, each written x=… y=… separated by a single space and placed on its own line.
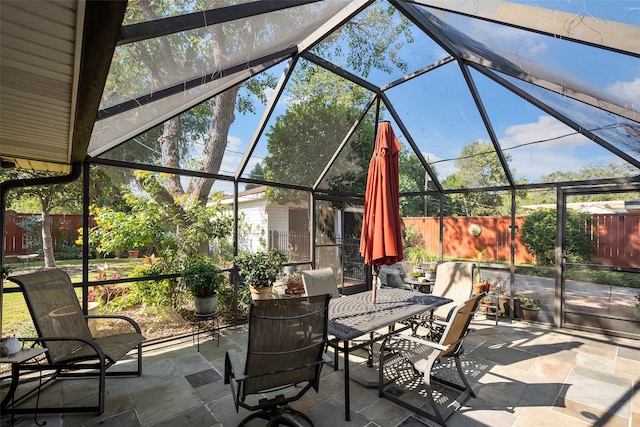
x=38 y=54
x=594 y=31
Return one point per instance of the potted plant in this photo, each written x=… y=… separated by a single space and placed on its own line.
x=480 y=285
x=418 y=256
x=490 y=299
x=294 y=284
x=530 y=308
x=430 y=274
x=260 y=270
x=202 y=279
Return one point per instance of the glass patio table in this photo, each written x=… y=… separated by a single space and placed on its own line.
x=355 y=315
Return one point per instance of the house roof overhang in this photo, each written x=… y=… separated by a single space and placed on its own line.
x=55 y=59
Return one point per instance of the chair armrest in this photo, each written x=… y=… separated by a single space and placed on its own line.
x=423 y=342
x=91 y=343
x=439 y=322
x=115 y=316
x=233 y=365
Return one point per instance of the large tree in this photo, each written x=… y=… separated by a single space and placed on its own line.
x=478 y=166
x=302 y=141
x=143 y=64
x=412 y=179
x=147 y=63
x=588 y=172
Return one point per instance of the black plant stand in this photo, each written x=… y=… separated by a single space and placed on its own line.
x=201 y=322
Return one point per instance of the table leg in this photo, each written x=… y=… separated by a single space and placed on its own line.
x=15 y=376
x=370 y=351
x=347 y=403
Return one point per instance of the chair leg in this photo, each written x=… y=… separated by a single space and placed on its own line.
x=436 y=415
x=463 y=377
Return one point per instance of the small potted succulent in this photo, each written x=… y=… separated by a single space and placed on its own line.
x=202 y=280
x=260 y=269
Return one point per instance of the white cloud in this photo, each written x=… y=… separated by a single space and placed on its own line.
x=548 y=129
x=563 y=149
x=284 y=101
x=444 y=169
x=507 y=39
x=234 y=143
x=625 y=90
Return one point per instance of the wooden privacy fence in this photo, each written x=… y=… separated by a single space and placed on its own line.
x=459 y=242
x=616 y=238
x=64 y=229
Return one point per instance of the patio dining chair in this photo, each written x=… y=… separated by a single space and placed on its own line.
x=62 y=329
x=285 y=354
x=319 y=282
x=454 y=280
x=405 y=359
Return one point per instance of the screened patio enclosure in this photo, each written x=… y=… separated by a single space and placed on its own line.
x=274 y=104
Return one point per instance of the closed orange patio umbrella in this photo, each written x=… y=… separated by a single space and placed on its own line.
x=381 y=240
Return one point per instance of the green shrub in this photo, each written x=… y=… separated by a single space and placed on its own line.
x=539 y=236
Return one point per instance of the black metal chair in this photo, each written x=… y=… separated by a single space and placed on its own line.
x=62 y=328
x=285 y=354
x=405 y=359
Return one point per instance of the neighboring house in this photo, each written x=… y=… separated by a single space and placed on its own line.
x=604 y=207
x=284 y=227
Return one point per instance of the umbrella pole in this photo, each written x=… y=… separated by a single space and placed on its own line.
x=376 y=271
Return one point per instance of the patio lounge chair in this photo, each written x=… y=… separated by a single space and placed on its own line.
x=285 y=354
x=404 y=358
x=62 y=328
x=319 y=282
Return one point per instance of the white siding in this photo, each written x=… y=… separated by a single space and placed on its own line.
x=253 y=220
x=279 y=223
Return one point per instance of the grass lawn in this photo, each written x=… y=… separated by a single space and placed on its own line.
x=15 y=314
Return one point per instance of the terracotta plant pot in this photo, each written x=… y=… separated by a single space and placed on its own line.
x=261 y=293
x=294 y=289
x=134 y=254
x=477 y=288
